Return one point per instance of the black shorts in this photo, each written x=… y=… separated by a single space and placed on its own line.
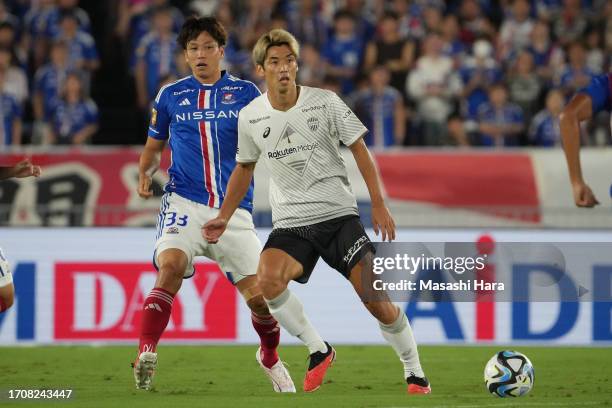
x=341 y=242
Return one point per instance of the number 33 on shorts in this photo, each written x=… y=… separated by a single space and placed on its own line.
x=173 y=218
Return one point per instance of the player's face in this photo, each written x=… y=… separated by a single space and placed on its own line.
x=280 y=68
x=204 y=55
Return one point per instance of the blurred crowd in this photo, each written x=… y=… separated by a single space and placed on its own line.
x=417 y=72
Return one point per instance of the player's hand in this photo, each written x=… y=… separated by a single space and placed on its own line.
x=25 y=168
x=144 y=186
x=383 y=222
x=583 y=195
x=213 y=229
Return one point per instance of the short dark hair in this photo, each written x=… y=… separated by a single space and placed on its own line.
x=194 y=26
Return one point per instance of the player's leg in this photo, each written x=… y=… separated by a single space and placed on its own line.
x=345 y=246
x=7 y=290
x=393 y=323
x=285 y=258
x=173 y=257
x=237 y=254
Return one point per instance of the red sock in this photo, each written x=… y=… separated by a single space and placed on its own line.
x=269 y=334
x=2 y=305
x=155 y=317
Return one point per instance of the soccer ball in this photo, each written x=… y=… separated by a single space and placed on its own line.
x=509 y=374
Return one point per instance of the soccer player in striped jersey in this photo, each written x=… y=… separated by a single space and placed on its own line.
x=296 y=131
x=7 y=291
x=594 y=98
x=197 y=116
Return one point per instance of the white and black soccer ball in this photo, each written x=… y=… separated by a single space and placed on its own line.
x=509 y=374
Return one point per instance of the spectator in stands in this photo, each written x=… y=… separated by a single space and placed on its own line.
x=66 y=6
x=391 y=50
x=35 y=37
x=547 y=56
x=15 y=79
x=432 y=16
x=8 y=40
x=453 y=47
x=524 y=85
x=381 y=108
x=82 y=52
x=11 y=113
x=433 y=86
x=571 y=24
x=516 y=29
x=474 y=23
x=576 y=74
x=48 y=81
x=411 y=24
x=237 y=59
x=75 y=118
x=544 y=128
x=478 y=72
x=308 y=25
x=595 y=58
x=312 y=68
x=7 y=17
x=344 y=51
x=363 y=19
x=155 y=57
x=500 y=122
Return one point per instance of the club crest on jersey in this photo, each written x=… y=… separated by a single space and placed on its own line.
x=228 y=98
x=313 y=123
x=153 y=117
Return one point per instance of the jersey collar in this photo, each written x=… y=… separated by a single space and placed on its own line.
x=220 y=82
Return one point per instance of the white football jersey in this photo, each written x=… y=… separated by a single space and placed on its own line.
x=300 y=148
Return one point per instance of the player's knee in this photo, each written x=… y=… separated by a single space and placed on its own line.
x=384 y=312
x=270 y=282
x=7 y=299
x=258 y=305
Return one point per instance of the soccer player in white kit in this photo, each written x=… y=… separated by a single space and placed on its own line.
x=197 y=116
x=296 y=131
x=7 y=291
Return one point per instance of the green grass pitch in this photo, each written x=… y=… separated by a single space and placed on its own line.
x=363 y=376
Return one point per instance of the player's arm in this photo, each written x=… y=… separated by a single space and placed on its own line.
x=579 y=109
x=381 y=217
x=148 y=165
x=400 y=121
x=237 y=187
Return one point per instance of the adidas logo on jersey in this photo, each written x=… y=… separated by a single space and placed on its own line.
x=185 y=102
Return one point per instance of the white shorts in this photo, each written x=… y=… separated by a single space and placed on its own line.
x=179 y=226
x=6 y=278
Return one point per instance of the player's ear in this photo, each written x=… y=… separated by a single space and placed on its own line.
x=222 y=51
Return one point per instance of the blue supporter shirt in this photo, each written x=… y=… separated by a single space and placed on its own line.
x=378 y=114
x=80 y=48
x=544 y=129
x=345 y=54
x=200 y=123
x=479 y=95
x=509 y=114
x=69 y=119
x=158 y=56
x=10 y=111
x=600 y=91
x=47 y=82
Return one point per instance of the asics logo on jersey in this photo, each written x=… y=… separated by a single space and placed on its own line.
x=266 y=132
x=185 y=102
x=206 y=115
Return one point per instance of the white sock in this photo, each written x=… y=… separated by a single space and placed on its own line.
x=289 y=312
x=399 y=335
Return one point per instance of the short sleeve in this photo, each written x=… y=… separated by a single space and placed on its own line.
x=598 y=90
x=159 y=121
x=345 y=123
x=248 y=151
